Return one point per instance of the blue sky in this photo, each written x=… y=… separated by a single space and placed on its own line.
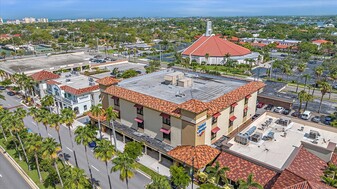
x=162 y=8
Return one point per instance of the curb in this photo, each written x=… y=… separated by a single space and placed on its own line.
x=24 y=175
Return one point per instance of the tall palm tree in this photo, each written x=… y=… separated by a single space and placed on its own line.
x=217 y=172
x=47 y=101
x=301 y=97
x=3 y=116
x=50 y=149
x=55 y=122
x=67 y=117
x=44 y=118
x=104 y=152
x=85 y=135
x=33 y=146
x=306 y=78
x=300 y=68
x=7 y=122
x=126 y=167
x=249 y=183
x=34 y=112
x=98 y=112
x=75 y=178
x=308 y=97
x=333 y=78
x=206 y=57
x=318 y=73
x=111 y=116
x=325 y=88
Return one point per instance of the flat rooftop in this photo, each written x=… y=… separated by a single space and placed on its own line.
x=123 y=66
x=76 y=81
x=53 y=62
x=203 y=87
x=276 y=152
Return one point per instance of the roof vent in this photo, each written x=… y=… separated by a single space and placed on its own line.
x=67 y=80
x=92 y=83
x=179 y=94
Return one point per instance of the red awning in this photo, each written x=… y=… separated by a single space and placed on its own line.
x=165 y=131
x=116 y=110
x=235 y=104
x=114 y=97
x=232 y=118
x=139 y=120
x=217 y=115
x=138 y=106
x=164 y=115
x=215 y=130
x=248 y=96
x=246 y=109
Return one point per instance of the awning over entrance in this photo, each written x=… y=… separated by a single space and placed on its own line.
x=166 y=131
x=215 y=130
x=139 y=120
x=232 y=118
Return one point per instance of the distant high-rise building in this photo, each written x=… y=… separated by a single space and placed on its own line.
x=208 y=28
x=1 y=21
x=43 y=20
x=29 y=20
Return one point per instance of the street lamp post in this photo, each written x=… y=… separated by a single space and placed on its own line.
x=192 y=172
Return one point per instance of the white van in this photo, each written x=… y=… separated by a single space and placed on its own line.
x=306 y=115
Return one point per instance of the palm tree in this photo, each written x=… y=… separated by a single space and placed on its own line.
x=104 y=152
x=50 y=149
x=111 y=116
x=226 y=57
x=300 y=68
x=44 y=118
x=98 y=112
x=126 y=167
x=217 y=172
x=47 y=101
x=331 y=171
x=330 y=181
x=306 y=78
x=308 y=98
x=3 y=54
x=333 y=77
x=159 y=182
x=34 y=112
x=54 y=122
x=2 y=97
x=7 y=122
x=318 y=73
x=67 y=117
x=249 y=183
x=206 y=57
x=33 y=146
x=301 y=97
x=75 y=178
x=85 y=135
x=325 y=88
x=3 y=114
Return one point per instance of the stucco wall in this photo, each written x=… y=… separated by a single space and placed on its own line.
x=128 y=113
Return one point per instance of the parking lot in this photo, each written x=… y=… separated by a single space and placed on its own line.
x=121 y=68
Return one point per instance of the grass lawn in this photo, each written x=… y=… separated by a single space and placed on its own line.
x=33 y=173
x=147 y=170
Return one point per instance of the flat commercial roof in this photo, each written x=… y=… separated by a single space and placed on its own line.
x=276 y=152
x=121 y=67
x=51 y=63
x=76 y=81
x=204 y=87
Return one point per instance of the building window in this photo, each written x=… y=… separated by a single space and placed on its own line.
x=116 y=101
x=85 y=107
x=246 y=100
x=76 y=110
x=232 y=109
x=167 y=120
x=214 y=120
x=213 y=135
x=167 y=136
x=140 y=125
x=245 y=112
x=140 y=110
x=230 y=123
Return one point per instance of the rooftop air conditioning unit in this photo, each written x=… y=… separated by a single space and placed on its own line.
x=67 y=80
x=92 y=83
x=313 y=134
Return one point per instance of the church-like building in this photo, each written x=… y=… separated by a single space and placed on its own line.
x=212 y=49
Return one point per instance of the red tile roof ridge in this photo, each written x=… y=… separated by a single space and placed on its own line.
x=107 y=81
x=52 y=82
x=79 y=91
x=44 y=75
x=194 y=105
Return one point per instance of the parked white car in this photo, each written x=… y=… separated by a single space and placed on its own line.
x=279 y=109
x=306 y=115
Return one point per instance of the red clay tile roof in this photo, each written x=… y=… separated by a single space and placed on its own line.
x=320 y=41
x=44 y=75
x=281 y=46
x=215 y=46
x=194 y=105
x=74 y=91
x=307 y=166
x=202 y=154
x=241 y=168
x=107 y=81
x=102 y=118
x=144 y=100
x=258 y=44
x=52 y=82
x=334 y=158
x=228 y=99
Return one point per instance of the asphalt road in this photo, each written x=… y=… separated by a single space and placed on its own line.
x=9 y=177
x=97 y=167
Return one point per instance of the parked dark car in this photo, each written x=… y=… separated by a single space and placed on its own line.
x=286 y=111
x=269 y=107
x=255 y=116
x=316 y=119
x=92 y=144
x=2 y=88
x=296 y=114
x=328 y=120
x=260 y=105
x=11 y=93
